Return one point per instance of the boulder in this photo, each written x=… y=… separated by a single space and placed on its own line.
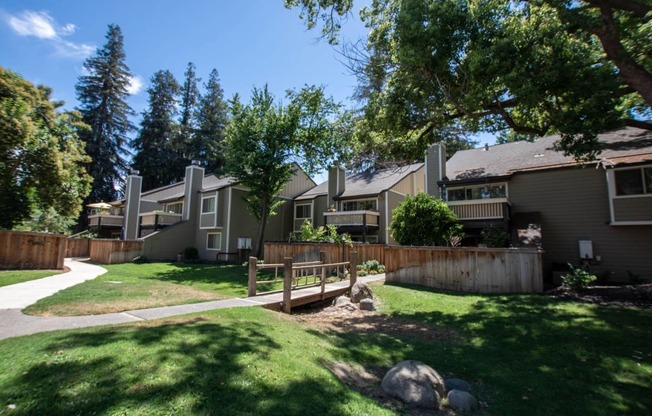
x=414 y=383
x=462 y=401
x=367 y=305
x=345 y=303
x=359 y=291
x=457 y=384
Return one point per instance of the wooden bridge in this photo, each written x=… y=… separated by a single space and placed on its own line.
x=303 y=283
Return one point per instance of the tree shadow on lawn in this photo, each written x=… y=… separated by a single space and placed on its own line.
x=190 y=366
x=526 y=354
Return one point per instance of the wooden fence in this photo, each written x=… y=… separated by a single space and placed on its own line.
x=115 y=251
x=304 y=252
x=78 y=247
x=23 y=250
x=467 y=269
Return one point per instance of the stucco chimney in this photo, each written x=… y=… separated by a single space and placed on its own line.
x=336 y=185
x=435 y=168
x=193 y=184
x=132 y=206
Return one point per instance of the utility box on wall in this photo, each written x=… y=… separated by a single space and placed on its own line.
x=586 y=249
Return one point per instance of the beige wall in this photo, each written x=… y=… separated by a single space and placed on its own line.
x=574 y=205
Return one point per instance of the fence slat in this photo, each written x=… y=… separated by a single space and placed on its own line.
x=25 y=250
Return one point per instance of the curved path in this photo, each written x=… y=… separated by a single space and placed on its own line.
x=14 y=323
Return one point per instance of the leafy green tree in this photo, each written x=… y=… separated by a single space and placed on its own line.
x=265 y=140
x=41 y=157
x=531 y=68
x=102 y=94
x=424 y=220
x=212 y=117
x=159 y=157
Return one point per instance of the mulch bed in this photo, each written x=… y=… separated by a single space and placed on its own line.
x=632 y=296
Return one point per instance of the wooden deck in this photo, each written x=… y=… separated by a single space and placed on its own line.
x=309 y=295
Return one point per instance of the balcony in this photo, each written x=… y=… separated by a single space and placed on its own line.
x=105 y=220
x=158 y=219
x=352 y=218
x=481 y=209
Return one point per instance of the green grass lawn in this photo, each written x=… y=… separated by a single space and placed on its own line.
x=11 y=277
x=136 y=286
x=523 y=354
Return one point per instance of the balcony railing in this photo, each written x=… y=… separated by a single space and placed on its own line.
x=105 y=220
x=352 y=218
x=158 y=219
x=481 y=209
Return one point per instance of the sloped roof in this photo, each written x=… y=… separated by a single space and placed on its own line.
x=365 y=183
x=212 y=182
x=628 y=145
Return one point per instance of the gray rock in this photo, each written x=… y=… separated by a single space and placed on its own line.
x=345 y=303
x=367 y=305
x=457 y=384
x=462 y=401
x=414 y=383
x=359 y=291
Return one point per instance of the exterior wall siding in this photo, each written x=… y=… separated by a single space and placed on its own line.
x=574 y=205
x=633 y=209
x=170 y=241
x=411 y=183
x=299 y=184
x=394 y=200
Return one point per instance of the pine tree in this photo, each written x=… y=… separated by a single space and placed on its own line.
x=188 y=118
x=157 y=154
x=102 y=95
x=212 y=117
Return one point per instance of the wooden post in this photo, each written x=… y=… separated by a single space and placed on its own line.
x=253 y=270
x=322 y=259
x=354 y=268
x=287 y=284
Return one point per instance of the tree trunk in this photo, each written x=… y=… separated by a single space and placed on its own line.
x=264 y=213
x=630 y=71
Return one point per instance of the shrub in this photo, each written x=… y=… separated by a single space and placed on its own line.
x=423 y=220
x=370 y=267
x=322 y=234
x=578 y=278
x=494 y=237
x=140 y=260
x=190 y=253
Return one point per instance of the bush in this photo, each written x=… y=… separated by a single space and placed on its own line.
x=423 y=220
x=190 y=253
x=322 y=234
x=370 y=267
x=494 y=237
x=140 y=260
x=578 y=278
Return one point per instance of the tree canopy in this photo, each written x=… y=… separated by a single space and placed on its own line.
x=102 y=95
x=159 y=157
x=514 y=67
x=207 y=145
x=265 y=139
x=41 y=157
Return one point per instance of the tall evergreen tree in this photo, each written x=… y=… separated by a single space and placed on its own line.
x=102 y=95
x=212 y=118
x=188 y=117
x=157 y=153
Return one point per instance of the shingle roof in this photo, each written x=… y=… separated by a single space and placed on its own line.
x=620 y=146
x=365 y=183
x=212 y=182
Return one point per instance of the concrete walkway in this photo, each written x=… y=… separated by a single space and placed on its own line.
x=14 y=323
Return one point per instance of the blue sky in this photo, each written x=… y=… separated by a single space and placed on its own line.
x=251 y=43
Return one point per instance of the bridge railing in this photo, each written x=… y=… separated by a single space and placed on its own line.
x=300 y=275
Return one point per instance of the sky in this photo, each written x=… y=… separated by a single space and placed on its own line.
x=250 y=42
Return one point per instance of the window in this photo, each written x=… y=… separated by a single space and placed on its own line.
x=208 y=205
x=175 y=208
x=214 y=241
x=477 y=192
x=633 y=181
x=303 y=211
x=362 y=205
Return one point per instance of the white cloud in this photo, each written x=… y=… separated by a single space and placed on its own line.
x=135 y=85
x=41 y=25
